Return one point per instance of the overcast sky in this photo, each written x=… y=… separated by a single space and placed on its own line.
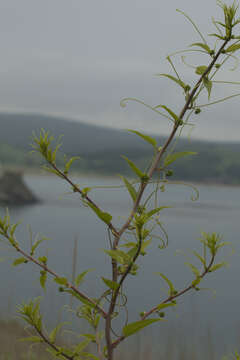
x=79 y=58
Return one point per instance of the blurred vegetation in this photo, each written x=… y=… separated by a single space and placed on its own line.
x=214 y=163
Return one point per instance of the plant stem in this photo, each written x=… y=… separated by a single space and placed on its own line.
x=142 y=187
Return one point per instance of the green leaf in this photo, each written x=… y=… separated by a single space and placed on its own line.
x=134 y=167
x=208 y=85
x=33 y=339
x=19 y=261
x=90 y=337
x=145 y=244
x=193 y=268
x=170 y=284
x=147 y=138
x=35 y=245
x=53 y=171
x=43 y=278
x=69 y=163
x=81 y=346
x=61 y=280
x=178 y=81
x=79 y=279
x=119 y=256
x=134 y=327
x=203 y=46
x=200 y=258
x=54 y=332
x=218 y=36
x=171 y=113
x=201 y=70
x=175 y=156
x=130 y=188
x=217 y=266
x=79 y=297
x=104 y=216
x=156 y=211
x=164 y=306
x=111 y=284
x=43 y=259
x=13 y=228
x=233 y=48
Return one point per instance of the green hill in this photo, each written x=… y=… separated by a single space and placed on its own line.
x=101 y=148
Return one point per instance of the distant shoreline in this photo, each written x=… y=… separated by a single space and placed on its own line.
x=32 y=171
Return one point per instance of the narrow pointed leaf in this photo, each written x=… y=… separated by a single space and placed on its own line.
x=164 y=306
x=119 y=256
x=43 y=278
x=19 y=261
x=171 y=113
x=79 y=279
x=218 y=36
x=79 y=297
x=134 y=327
x=175 y=156
x=176 y=80
x=156 y=211
x=170 y=284
x=130 y=188
x=33 y=339
x=61 y=280
x=147 y=138
x=135 y=169
x=69 y=163
x=35 y=245
x=200 y=258
x=201 y=70
x=208 y=85
x=233 y=48
x=81 y=346
x=111 y=284
x=203 y=46
x=54 y=332
x=193 y=268
x=104 y=216
x=218 y=266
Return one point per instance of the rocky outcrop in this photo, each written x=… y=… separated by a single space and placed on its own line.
x=13 y=190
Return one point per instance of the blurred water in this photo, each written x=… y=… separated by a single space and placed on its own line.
x=62 y=218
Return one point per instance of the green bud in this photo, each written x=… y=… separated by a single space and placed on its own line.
x=187 y=88
x=180 y=122
x=212 y=52
x=142 y=313
x=61 y=289
x=144 y=178
x=224 y=51
x=162 y=188
x=197 y=111
x=161 y=314
x=169 y=173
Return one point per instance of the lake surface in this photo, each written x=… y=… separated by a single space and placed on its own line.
x=210 y=317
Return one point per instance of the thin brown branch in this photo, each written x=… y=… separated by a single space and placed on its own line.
x=68 y=285
x=85 y=196
x=142 y=187
x=168 y=300
x=53 y=346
